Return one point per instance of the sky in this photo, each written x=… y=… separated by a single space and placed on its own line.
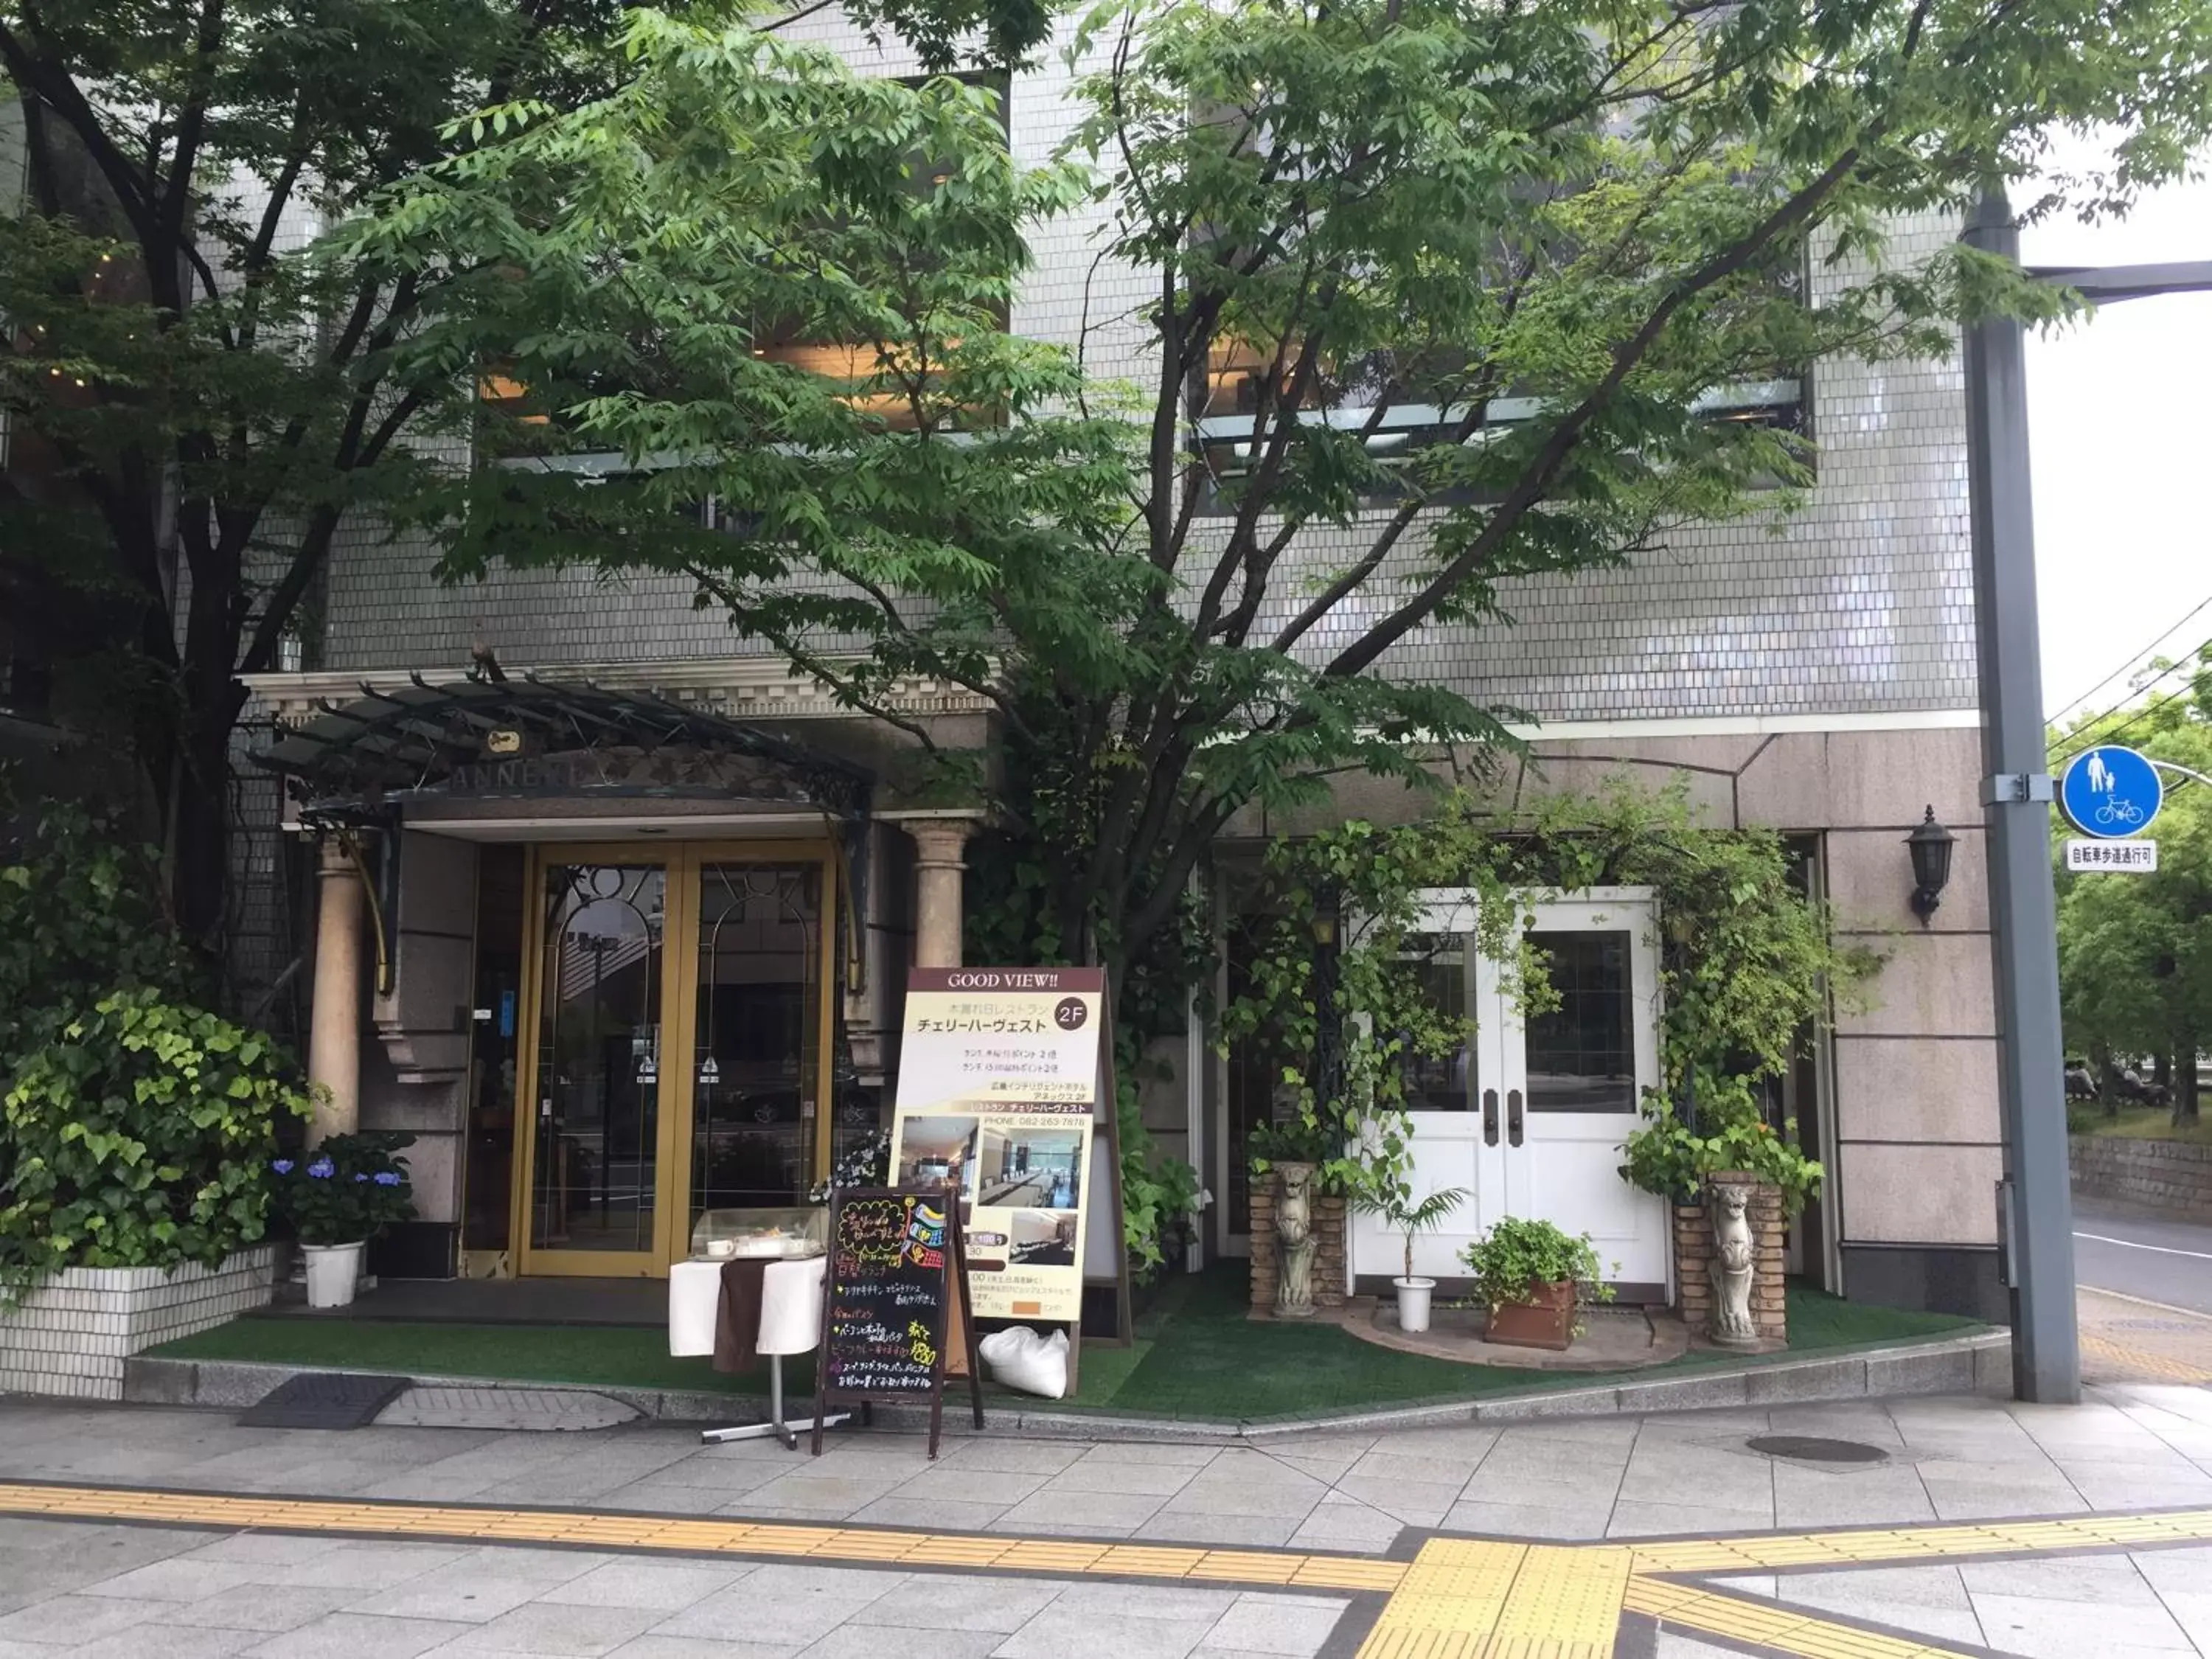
x=2120 y=425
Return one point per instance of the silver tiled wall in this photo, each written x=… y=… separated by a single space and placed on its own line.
x=1863 y=603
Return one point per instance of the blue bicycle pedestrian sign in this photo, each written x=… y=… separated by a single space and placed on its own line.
x=2109 y=791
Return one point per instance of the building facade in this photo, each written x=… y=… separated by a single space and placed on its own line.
x=630 y=941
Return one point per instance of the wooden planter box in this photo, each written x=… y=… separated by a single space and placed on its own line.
x=1693 y=1251
x=1546 y=1320
x=71 y=1333
x=1328 y=1220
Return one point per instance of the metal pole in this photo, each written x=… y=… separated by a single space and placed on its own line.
x=2036 y=1208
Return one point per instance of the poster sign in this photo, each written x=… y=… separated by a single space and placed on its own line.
x=998 y=1085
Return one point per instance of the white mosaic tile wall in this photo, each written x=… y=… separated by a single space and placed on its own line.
x=1864 y=604
x=72 y=1334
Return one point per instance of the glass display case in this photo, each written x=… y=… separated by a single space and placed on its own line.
x=774 y=1232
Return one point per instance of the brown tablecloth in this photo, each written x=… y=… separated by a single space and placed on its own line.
x=737 y=1320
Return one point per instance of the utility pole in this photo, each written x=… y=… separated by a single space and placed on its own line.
x=2035 y=1206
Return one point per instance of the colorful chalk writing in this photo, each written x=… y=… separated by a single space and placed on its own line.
x=886 y=1308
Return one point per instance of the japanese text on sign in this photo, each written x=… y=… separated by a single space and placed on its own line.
x=2125 y=857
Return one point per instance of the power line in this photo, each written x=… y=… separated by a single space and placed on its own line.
x=2136 y=719
x=2189 y=659
x=2170 y=629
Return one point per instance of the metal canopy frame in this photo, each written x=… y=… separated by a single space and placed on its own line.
x=356 y=762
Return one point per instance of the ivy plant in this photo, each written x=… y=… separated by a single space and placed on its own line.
x=1747 y=961
x=1517 y=1253
x=141 y=1136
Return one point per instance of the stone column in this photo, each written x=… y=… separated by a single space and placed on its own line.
x=938 y=869
x=334 y=1037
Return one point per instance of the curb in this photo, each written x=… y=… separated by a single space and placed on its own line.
x=1979 y=1364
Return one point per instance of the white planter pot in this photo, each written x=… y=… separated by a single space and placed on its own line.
x=333 y=1270
x=1413 y=1302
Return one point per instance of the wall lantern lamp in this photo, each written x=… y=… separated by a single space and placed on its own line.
x=1930 y=846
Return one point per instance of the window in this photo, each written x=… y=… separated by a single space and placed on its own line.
x=1581 y=1055
x=881 y=379
x=1423 y=397
x=1440 y=1083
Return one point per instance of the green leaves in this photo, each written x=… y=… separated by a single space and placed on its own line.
x=1747 y=964
x=139 y=1136
x=77 y=919
x=1516 y=1255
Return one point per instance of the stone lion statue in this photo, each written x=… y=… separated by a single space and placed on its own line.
x=1294 y=1233
x=1736 y=1258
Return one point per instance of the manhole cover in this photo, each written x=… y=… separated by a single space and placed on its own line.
x=1811 y=1448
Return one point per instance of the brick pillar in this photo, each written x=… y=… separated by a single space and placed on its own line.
x=1329 y=1250
x=1264 y=1268
x=1693 y=1251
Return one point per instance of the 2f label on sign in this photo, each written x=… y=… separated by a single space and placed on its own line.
x=2134 y=858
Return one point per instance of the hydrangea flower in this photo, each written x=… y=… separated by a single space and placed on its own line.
x=282 y=1166
x=322 y=1169
x=358 y=1179
x=386 y=1178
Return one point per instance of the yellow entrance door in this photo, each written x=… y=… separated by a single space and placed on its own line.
x=680 y=1010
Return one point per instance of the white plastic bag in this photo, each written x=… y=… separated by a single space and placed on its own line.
x=1022 y=1359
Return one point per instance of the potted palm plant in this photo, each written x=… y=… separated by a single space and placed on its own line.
x=1393 y=1200
x=1532 y=1278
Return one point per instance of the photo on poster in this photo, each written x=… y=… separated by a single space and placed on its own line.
x=1041 y=1238
x=937 y=1152
x=1022 y=1167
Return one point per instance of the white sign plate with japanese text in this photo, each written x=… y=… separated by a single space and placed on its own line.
x=2130 y=858
x=998 y=1082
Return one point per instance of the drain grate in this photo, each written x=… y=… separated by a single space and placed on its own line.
x=1811 y=1449
x=323 y=1400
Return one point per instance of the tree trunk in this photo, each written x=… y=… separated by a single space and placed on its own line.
x=2182 y=1087
x=2108 y=1081
x=200 y=892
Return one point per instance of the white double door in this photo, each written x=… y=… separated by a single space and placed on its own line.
x=1528 y=1120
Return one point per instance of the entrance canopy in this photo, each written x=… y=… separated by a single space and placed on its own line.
x=499 y=738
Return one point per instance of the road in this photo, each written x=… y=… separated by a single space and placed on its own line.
x=2168 y=1262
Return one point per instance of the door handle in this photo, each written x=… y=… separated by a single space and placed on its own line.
x=1513 y=1116
x=1489 y=1117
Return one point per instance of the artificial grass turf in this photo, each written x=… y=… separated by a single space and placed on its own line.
x=1197 y=1355
x=609 y=1356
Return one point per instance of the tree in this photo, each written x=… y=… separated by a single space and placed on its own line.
x=1560 y=230
x=199 y=395
x=2135 y=952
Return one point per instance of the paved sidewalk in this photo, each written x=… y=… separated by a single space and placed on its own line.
x=218 y=1586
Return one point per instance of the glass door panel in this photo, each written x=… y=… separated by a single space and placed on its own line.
x=596 y=1165
x=756 y=1066
x=1581 y=1055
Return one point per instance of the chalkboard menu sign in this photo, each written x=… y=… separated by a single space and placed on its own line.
x=894 y=1262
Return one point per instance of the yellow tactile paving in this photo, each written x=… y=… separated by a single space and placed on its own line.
x=1460 y=1598
x=1779 y=1630
x=2127 y=1341
x=841 y=1544
x=1565 y=1604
